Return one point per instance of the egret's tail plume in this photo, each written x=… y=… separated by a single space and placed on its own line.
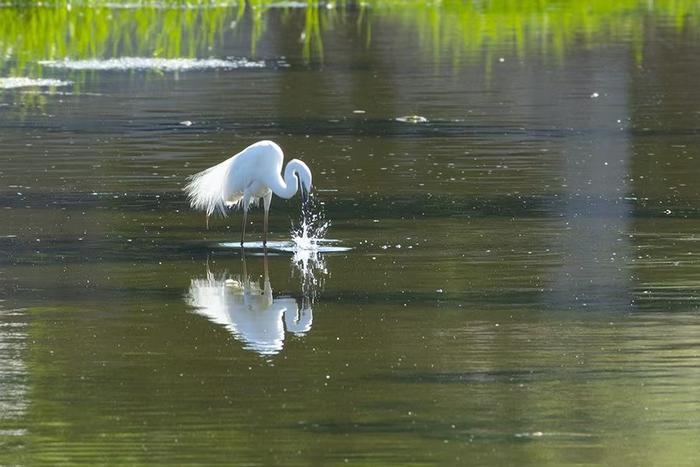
x=205 y=190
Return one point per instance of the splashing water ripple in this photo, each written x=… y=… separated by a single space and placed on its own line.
x=312 y=229
x=308 y=246
x=308 y=238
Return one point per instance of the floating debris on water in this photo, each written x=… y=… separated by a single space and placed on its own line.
x=534 y=434
x=412 y=119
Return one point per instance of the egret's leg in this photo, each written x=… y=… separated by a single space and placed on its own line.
x=266 y=200
x=245 y=220
x=246 y=201
x=265 y=229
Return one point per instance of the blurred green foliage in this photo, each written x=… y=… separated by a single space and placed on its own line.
x=544 y=26
x=56 y=29
x=34 y=33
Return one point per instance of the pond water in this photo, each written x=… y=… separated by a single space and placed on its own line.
x=513 y=196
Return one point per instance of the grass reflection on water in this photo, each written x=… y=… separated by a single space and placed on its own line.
x=33 y=33
x=195 y=29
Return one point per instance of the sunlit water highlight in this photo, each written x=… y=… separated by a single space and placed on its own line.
x=24 y=82
x=146 y=63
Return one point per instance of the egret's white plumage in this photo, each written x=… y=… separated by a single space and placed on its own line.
x=244 y=179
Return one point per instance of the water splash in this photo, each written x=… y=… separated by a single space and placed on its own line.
x=313 y=226
x=308 y=238
x=308 y=246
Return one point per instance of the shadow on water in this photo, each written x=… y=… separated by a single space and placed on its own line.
x=378 y=205
x=596 y=235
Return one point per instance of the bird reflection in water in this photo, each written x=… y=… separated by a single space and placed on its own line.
x=250 y=312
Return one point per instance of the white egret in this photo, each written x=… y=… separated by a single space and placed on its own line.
x=246 y=178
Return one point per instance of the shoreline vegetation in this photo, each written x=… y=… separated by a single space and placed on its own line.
x=103 y=29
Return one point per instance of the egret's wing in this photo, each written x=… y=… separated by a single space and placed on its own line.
x=206 y=190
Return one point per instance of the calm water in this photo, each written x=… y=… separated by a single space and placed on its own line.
x=523 y=284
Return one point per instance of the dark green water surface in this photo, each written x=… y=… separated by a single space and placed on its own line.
x=523 y=284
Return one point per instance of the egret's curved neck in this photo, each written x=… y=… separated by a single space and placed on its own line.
x=288 y=187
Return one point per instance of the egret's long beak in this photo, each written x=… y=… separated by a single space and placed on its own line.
x=304 y=193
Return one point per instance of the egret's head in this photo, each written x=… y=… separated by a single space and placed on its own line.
x=304 y=175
